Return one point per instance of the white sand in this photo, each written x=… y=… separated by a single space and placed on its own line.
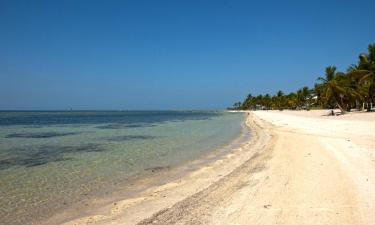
x=328 y=164
x=299 y=168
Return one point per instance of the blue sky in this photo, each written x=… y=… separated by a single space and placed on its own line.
x=177 y=54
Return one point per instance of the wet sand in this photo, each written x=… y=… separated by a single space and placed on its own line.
x=298 y=168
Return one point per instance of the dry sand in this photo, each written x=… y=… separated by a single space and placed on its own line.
x=299 y=168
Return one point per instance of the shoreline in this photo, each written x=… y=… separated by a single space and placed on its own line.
x=299 y=167
x=315 y=170
x=96 y=166
x=143 y=186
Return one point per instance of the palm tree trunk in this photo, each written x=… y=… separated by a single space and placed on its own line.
x=341 y=108
x=369 y=106
x=339 y=103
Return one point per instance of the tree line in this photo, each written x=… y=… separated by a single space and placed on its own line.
x=353 y=89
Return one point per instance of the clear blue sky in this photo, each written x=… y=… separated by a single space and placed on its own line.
x=173 y=54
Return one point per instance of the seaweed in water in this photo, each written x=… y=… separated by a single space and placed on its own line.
x=39 y=135
x=123 y=126
x=30 y=157
x=131 y=137
x=157 y=168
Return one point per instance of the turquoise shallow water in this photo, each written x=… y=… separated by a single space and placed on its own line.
x=50 y=160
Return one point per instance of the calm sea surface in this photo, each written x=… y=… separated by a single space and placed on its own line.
x=49 y=160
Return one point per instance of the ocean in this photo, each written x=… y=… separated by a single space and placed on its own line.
x=50 y=160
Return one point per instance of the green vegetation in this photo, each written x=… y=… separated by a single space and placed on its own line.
x=354 y=89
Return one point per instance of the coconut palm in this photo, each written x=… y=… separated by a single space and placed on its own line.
x=302 y=96
x=237 y=105
x=330 y=88
x=365 y=73
x=280 y=100
x=267 y=101
x=344 y=90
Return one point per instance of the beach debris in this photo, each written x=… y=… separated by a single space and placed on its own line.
x=267 y=206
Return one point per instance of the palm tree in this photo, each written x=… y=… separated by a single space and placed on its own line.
x=267 y=101
x=330 y=89
x=237 y=105
x=259 y=101
x=302 y=97
x=247 y=103
x=279 y=100
x=365 y=73
x=350 y=94
x=347 y=90
x=318 y=90
x=291 y=100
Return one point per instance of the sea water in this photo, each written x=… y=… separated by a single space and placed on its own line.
x=50 y=160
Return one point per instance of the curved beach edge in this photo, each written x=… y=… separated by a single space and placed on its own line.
x=299 y=167
x=160 y=198
x=317 y=169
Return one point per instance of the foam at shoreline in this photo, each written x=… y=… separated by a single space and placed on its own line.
x=181 y=182
x=85 y=149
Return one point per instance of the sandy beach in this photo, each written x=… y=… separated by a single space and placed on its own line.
x=299 y=167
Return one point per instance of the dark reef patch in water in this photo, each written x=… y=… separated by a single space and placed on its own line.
x=124 y=126
x=131 y=137
x=36 y=156
x=157 y=168
x=39 y=135
x=46 y=118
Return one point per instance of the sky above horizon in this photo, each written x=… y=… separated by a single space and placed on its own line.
x=187 y=54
